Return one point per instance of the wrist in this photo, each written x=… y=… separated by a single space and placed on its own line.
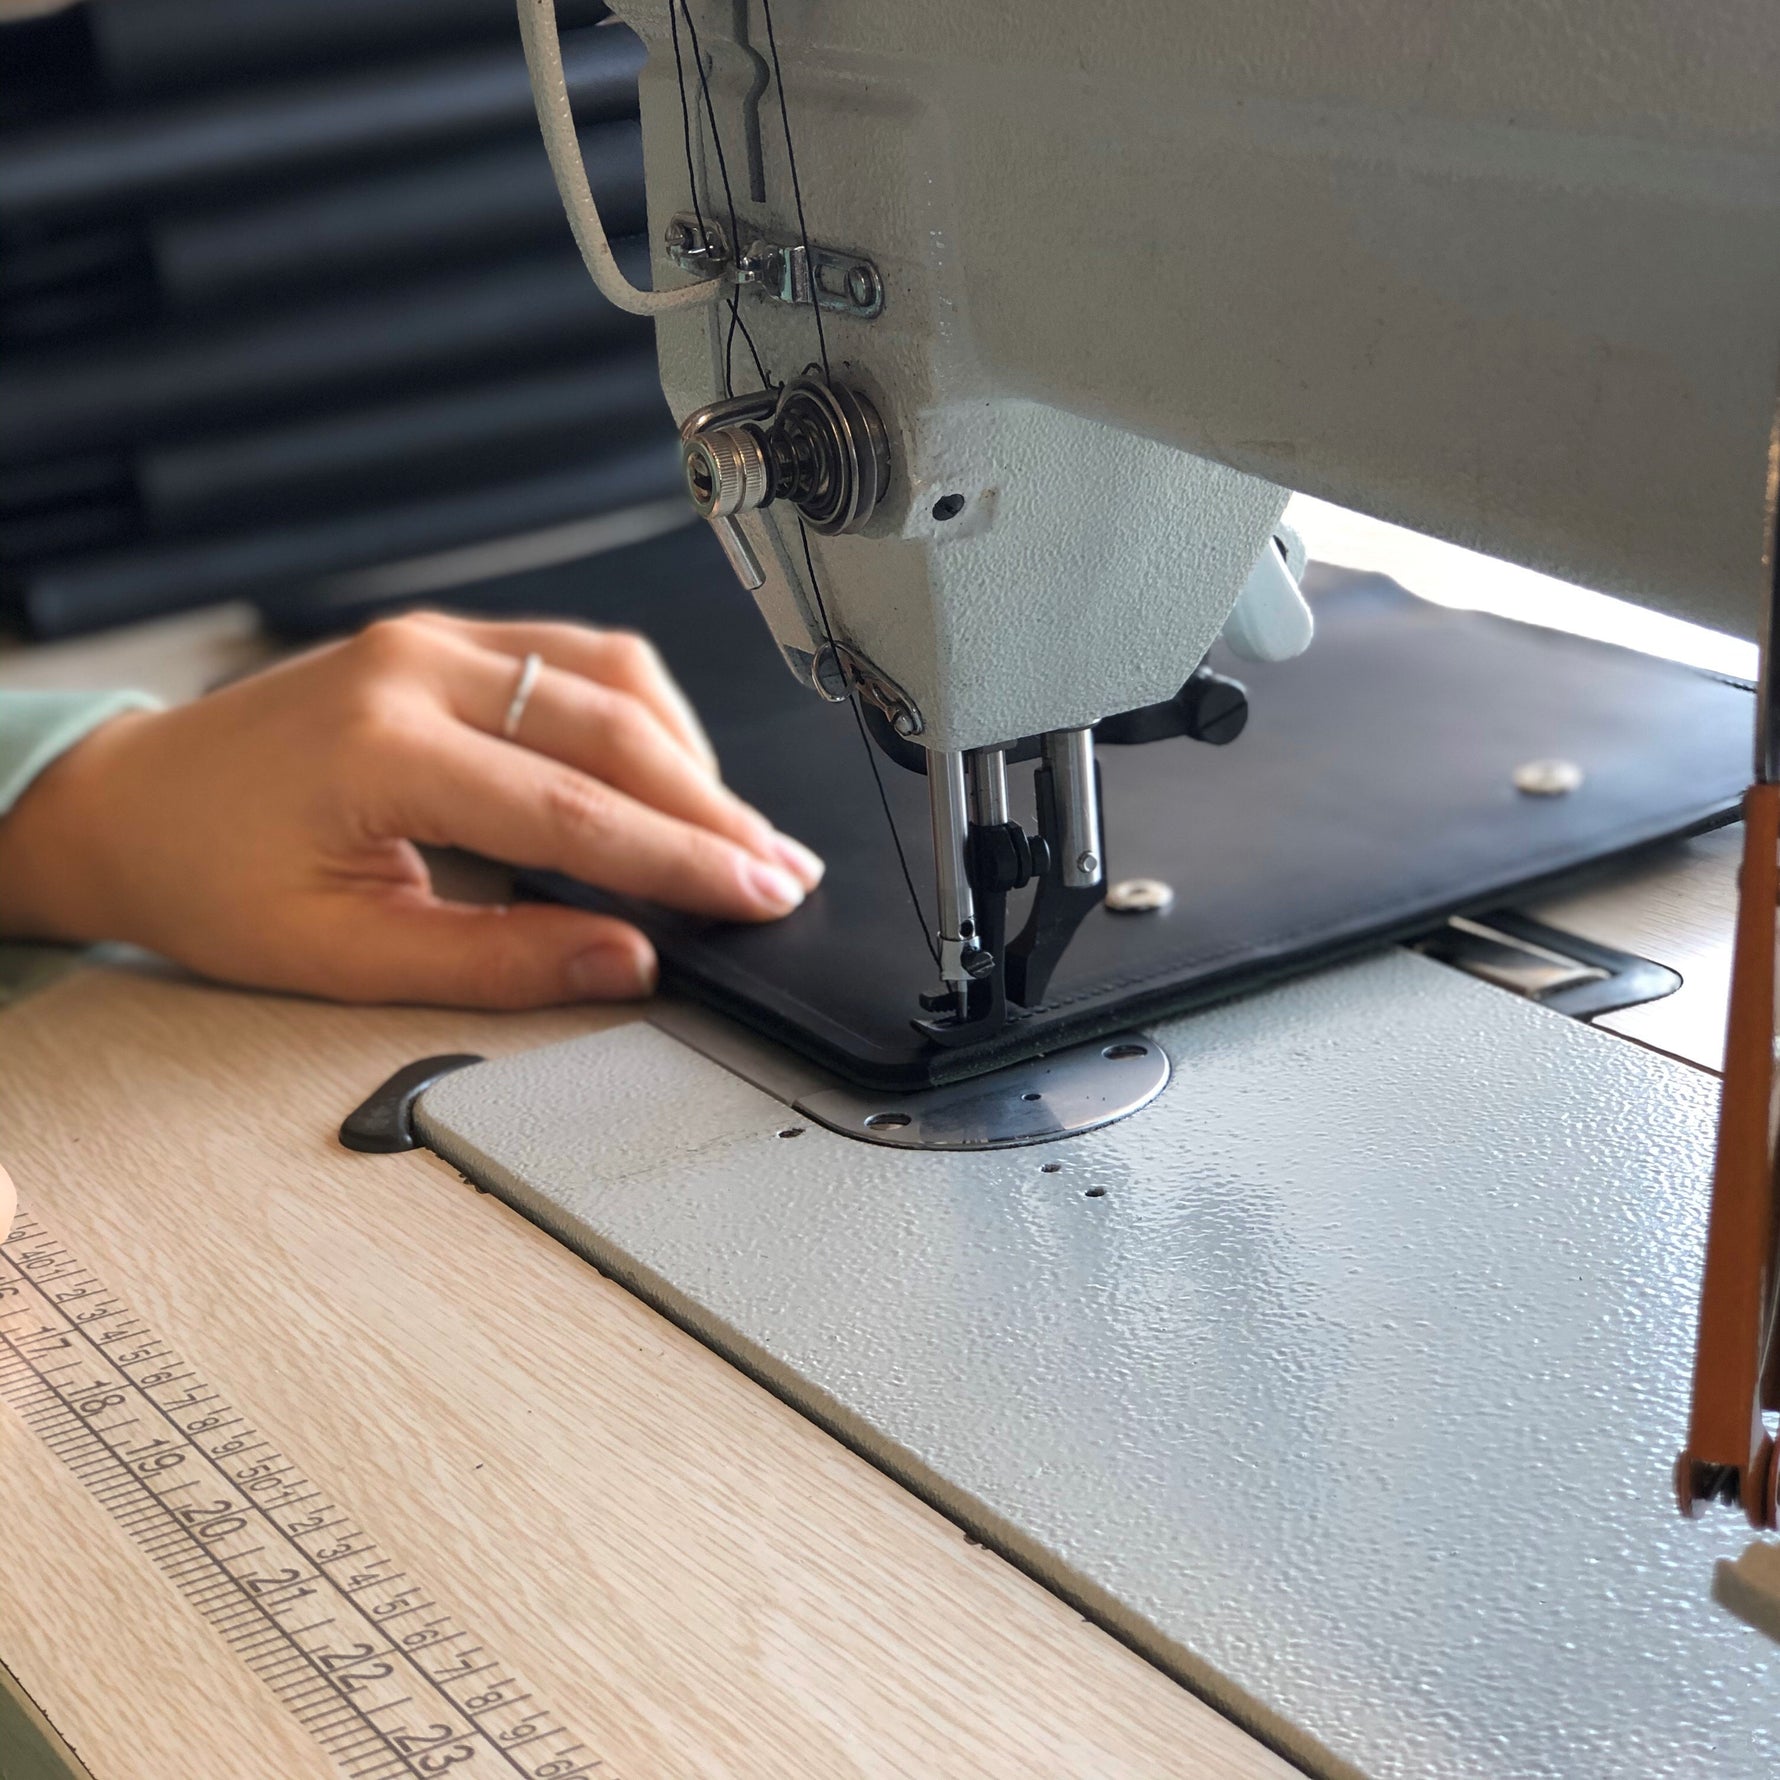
x=59 y=879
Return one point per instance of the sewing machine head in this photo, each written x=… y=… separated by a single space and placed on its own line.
x=1021 y=327
x=1000 y=334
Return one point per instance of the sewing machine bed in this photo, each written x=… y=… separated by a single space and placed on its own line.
x=1370 y=797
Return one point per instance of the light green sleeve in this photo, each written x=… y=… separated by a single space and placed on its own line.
x=36 y=727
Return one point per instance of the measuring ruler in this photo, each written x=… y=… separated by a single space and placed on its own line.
x=360 y=1654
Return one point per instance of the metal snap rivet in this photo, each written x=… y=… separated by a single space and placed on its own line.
x=1139 y=896
x=1547 y=778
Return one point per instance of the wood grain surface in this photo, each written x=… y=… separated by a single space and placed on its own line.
x=693 y=1577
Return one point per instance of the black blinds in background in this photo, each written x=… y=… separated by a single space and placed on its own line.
x=286 y=292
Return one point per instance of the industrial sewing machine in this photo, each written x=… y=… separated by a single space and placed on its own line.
x=998 y=336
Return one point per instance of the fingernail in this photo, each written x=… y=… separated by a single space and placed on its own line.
x=805 y=866
x=611 y=973
x=775 y=889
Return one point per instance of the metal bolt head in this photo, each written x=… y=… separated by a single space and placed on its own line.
x=904 y=723
x=678 y=237
x=1087 y=863
x=1547 y=778
x=1140 y=896
x=1216 y=708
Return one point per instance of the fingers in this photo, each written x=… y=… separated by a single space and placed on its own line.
x=619 y=802
x=454 y=954
x=606 y=732
x=615 y=658
x=456 y=787
x=615 y=737
x=612 y=736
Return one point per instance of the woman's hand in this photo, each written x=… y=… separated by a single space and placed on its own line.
x=266 y=833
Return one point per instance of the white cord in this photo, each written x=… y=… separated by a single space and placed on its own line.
x=550 y=93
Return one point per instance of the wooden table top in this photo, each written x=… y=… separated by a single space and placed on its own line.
x=698 y=1580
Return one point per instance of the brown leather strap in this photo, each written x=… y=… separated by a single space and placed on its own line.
x=1728 y=1451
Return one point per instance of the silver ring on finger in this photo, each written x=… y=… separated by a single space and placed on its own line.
x=529 y=670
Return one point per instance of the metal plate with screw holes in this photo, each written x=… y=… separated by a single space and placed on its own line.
x=1344 y=1380
x=1038 y=1101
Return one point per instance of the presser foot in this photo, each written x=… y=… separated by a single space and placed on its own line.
x=979 y=1010
x=980 y=856
x=1065 y=860
x=1002 y=857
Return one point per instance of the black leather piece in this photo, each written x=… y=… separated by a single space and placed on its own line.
x=1370 y=796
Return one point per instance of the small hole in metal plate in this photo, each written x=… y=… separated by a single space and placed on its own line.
x=792 y=1131
x=886 y=1121
x=1032 y=1096
x=1121 y=1053
x=1095 y=1193
x=1051 y=1168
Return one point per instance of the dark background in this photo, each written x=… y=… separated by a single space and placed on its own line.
x=289 y=311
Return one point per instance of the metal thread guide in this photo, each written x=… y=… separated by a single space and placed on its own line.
x=360 y=1653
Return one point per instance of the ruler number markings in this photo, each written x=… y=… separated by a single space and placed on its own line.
x=360 y=1655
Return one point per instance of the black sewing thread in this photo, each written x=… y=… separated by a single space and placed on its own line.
x=735 y=312
x=686 y=123
x=766 y=7
x=735 y=233
x=675 y=11
x=928 y=938
x=735 y=308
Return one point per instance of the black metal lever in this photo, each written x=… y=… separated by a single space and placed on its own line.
x=1210 y=708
